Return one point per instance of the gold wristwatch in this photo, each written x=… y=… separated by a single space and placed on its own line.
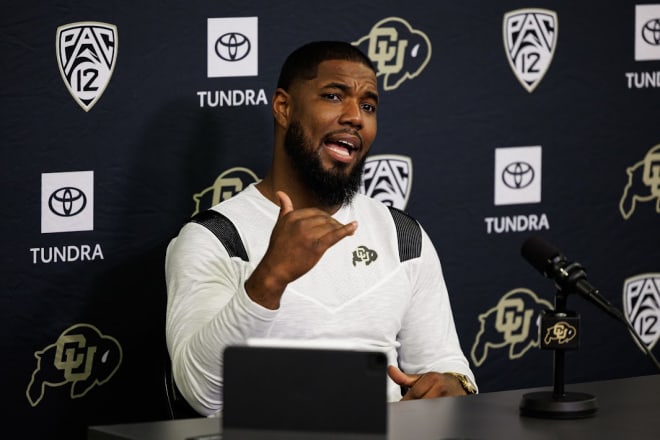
x=464 y=381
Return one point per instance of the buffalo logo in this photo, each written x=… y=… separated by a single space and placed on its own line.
x=226 y=186
x=561 y=333
x=388 y=179
x=364 y=255
x=86 y=55
x=398 y=51
x=232 y=46
x=641 y=304
x=512 y=323
x=643 y=183
x=81 y=357
x=67 y=201
x=530 y=38
x=518 y=175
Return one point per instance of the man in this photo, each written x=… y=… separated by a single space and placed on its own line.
x=302 y=255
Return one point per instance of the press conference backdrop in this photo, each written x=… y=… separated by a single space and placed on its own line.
x=498 y=120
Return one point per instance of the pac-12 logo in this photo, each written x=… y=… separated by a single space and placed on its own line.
x=86 y=55
x=530 y=38
x=388 y=179
x=641 y=303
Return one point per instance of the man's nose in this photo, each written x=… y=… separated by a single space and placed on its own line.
x=351 y=113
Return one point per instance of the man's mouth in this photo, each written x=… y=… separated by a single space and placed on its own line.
x=342 y=147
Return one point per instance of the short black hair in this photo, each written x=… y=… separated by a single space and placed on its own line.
x=303 y=62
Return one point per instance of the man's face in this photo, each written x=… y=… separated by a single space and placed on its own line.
x=332 y=127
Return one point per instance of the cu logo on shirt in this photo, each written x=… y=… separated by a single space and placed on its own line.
x=365 y=255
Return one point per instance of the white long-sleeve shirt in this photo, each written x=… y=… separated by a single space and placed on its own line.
x=359 y=291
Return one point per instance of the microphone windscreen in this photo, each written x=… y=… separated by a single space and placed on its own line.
x=539 y=253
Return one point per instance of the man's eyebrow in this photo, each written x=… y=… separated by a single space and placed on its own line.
x=344 y=88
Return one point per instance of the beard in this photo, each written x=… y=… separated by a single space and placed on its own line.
x=332 y=187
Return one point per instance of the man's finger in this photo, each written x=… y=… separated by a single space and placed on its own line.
x=401 y=378
x=335 y=235
x=286 y=206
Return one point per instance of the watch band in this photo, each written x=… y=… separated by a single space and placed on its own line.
x=464 y=381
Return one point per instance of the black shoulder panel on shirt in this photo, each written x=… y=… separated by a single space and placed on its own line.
x=225 y=230
x=408 y=234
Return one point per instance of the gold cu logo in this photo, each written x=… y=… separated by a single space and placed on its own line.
x=509 y=324
x=364 y=254
x=562 y=332
x=226 y=185
x=386 y=50
x=70 y=353
x=512 y=319
x=643 y=183
x=81 y=358
x=398 y=51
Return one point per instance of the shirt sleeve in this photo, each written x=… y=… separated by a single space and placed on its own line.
x=207 y=309
x=428 y=337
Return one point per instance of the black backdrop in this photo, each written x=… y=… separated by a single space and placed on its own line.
x=94 y=187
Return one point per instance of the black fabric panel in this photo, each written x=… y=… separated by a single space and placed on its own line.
x=409 y=235
x=225 y=230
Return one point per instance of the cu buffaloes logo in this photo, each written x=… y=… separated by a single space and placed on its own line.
x=86 y=55
x=226 y=185
x=643 y=183
x=511 y=324
x=81 y=358
x=398 y=51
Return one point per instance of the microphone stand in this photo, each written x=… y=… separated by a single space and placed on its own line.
x=559 y=330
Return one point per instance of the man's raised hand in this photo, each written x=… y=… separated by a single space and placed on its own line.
x=298 y=241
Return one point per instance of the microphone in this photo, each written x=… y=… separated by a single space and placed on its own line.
x=569 y=277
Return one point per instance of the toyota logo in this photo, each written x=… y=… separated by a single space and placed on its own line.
x=232 y=46
x=518 y=175
x=67 y=201
x=651 y=32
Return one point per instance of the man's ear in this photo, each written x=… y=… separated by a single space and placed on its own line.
x=281 y=107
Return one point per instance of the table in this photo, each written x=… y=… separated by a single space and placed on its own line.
x=627 y=409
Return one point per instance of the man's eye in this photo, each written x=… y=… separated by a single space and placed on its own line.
x=331 y=96
x=369 y=108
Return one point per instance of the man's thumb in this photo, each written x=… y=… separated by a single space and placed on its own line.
x=401 y=378
x=286 y=206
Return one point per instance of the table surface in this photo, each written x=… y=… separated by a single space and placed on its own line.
x=627 y=408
